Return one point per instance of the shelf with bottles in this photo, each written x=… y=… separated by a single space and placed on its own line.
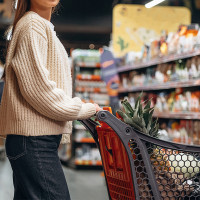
x=88 y=162
x=180 y=131
x=91 y=90
x=182 y=73
x=90 y=86
x=100 y=102
x=174 y=130
x=161 y=86
x=86 y=155
x=168 y=71
x=88 y=65
x=82 y=135
x=101 y=99
x=86 y=58
x=157 y=61
x=88 y=77
x=85 y=140
x=172 y=46
x=177 y=104
x=177 y=115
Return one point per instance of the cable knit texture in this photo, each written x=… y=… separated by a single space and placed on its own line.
x=37 y=97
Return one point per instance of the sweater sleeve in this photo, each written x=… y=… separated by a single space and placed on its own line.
x=29 y=64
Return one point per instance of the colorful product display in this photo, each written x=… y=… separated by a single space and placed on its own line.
x=185 y=40
x=86 y=153
x=180 y=70
x=168 y=70
x=90 y=88
x=181 y=131
x=86 y=57
x=181 y=101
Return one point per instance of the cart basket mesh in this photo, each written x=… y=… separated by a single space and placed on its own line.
x=140 y=167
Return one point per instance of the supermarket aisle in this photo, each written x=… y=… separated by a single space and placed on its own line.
x=83 y=185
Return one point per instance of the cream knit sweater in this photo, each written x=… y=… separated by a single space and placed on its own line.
x=37 y=97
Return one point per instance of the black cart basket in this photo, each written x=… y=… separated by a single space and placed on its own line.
x=140 y=167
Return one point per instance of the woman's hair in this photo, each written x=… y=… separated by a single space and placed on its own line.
x=22 y=7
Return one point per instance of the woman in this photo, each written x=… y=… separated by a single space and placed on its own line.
x=37 y=108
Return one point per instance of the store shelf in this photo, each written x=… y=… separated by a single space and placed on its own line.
x=88 y=77
x=85 y=140
x=92 y=90
x=178 y=115
x=88 y=162
x=163 y=86
x=88 y=65
x=102 y=103
x=157 y=61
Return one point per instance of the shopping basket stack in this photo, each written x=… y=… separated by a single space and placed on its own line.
x=140 y=167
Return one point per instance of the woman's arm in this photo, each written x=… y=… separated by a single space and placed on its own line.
x=29 y=64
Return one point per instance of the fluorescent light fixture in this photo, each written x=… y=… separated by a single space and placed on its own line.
x=153 y=3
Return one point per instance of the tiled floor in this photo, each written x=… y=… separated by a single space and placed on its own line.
x=83 y=185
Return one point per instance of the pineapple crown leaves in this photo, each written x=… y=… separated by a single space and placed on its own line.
x=127 y=107
x=148 y=105
x=138 y=100
x=140 y=118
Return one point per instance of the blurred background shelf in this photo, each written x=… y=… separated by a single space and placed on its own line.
x=88 y=86
x=88 y=65
x=88 y=162
x=162 y=86
x=88 y=77
x=85 y=140
x=92 y=90
x=157 y=61
x=178 y=115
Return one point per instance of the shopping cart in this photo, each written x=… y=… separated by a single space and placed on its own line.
x=140 y=167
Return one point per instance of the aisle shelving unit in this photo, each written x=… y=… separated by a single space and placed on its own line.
x=157 y=61
x=178 y=115
x=91 y=89
x=156 y=87
x=162 y=86
x=88 y=163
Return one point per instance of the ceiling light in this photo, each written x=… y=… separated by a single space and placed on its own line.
x=153 y=3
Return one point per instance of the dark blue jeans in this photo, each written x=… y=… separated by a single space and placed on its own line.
x=37 y=171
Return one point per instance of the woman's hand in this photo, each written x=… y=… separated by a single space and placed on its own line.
x=98 y=108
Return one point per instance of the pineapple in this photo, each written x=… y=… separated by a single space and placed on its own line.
x=140 y=118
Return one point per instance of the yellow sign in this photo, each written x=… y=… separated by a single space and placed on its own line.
x=136 y=25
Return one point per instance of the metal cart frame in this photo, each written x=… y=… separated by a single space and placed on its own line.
x=125 y=134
